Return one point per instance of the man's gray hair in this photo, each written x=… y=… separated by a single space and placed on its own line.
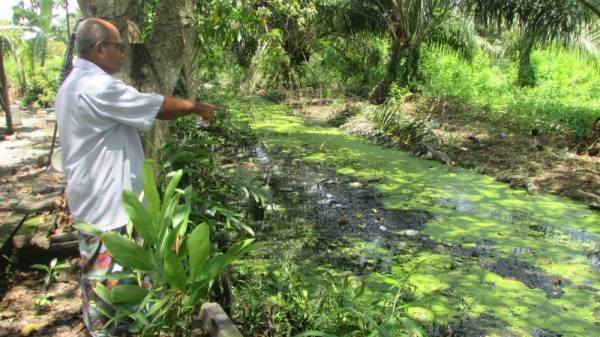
x=88 y=33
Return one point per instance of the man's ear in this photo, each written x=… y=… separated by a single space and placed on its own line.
x=99 y=48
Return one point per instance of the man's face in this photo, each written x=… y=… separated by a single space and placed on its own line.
x=109 y=53
x=113 y=48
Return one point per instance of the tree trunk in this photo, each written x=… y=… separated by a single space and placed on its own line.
x=380 y=92
x=526 y=76
x=410 y=68
x=153 y=65
x=248 y=85
x=5 y=97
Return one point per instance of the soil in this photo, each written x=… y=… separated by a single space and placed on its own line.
x=27 y=306
x=541 y=163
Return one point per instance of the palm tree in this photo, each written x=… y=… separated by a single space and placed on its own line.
x=12 y=37
x=540 y=23
x=38 y=17
x=409 y=24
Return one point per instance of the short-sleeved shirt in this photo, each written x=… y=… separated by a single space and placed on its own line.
x=98 y=119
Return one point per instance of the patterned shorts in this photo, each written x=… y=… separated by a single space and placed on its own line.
x=96 y=263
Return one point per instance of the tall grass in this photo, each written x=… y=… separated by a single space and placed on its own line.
x=566 y=98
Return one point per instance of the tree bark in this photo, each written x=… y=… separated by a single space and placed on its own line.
x=526 y=76
x=380 y=92
x=5 y=97
x=153 y=65
x=410 y=68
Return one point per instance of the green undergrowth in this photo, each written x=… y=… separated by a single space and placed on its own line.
x=565 y=98
x=553 y=236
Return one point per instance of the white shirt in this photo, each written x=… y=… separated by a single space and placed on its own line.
x=98 y=119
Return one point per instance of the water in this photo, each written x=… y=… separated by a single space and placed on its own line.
x=503 y=252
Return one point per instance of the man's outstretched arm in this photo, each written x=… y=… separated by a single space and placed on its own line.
x=173 y=108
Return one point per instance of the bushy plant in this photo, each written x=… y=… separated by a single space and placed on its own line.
x=171 y=252
x=42 y=87
x=411 y=132
x=332 y=305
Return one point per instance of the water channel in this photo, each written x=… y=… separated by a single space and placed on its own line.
x=505 y=262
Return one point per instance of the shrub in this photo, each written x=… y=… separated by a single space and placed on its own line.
x=42 y=87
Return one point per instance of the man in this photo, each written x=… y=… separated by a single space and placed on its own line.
x=98 y=119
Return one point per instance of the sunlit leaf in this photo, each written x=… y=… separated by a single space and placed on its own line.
x=174 y=272
x=128 y=253
x=198 y=246
x=139 y=217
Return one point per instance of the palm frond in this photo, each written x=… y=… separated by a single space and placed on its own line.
x=591 y=5
x=493 y=50
x=586 y=44
x=457 y=36
x=351 y=16
x=545 y=20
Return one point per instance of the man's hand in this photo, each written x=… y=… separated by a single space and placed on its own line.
x=206 y=111
x=173 y=108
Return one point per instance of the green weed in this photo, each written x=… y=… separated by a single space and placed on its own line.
x=51 y=270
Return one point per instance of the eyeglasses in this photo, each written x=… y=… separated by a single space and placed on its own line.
x=119 y=45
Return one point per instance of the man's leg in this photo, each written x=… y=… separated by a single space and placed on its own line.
x=96 y=262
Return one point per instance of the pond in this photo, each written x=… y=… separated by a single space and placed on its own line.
x=482 y=257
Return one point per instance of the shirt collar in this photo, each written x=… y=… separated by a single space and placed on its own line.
x=87 y=65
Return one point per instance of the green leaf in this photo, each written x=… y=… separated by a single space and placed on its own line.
x=392 y=281
x=181 y=213
x=139 y=217
x=414 y=327
x=86 y=228
x=174 y=272
x=198 y=246
x=214 y=267
x=150 y=190
x=120 y=275
x=40 y=267
x=103 y=293
x=239 y=248
x=200 y=291
x=139 y=317
x=128 y=253
x=175 y=178
x=62 y=266
x=169 y=239
x=128 y=294
x=154 y=308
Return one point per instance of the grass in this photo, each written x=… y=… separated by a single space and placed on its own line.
x=566 y=98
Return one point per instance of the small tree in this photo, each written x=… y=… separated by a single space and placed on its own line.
x=4 y=99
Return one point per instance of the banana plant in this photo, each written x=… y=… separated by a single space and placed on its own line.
x=168 y=258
